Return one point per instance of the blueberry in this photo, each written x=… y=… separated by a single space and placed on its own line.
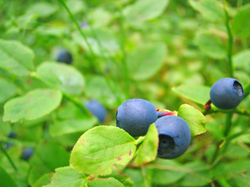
x=226 y=93
x=97 y=109
x=27 y=153
x=174 y=136
x=64 y=56
x=135 y=116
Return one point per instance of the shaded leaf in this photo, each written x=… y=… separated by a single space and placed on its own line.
x=167 y=172
x=43 y=9
x=34 y=104
x=211 y=46
x=100 y=148
x=195 y=119
x=198 y=174
x=210 y=9
x=16 y=58
x=6 y=179
x=8 y=90
x=62 y=76
x=47 y=157
x=98 y=88
x=147 y=151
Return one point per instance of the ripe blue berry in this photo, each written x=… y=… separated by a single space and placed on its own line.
x=174 y=136
x=27 y=153
x=97 y=109
x=226 y=93
x=64 y=56
x=135 y=116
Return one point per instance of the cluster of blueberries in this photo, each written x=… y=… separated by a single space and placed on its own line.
x=136 y=115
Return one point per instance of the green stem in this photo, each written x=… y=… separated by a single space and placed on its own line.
x=90 y=48
x=79 y=29
x=216 y=152
x=7 y=155
x=124 y=56
x=236 y=111
x=230 y=43
x=228 y=124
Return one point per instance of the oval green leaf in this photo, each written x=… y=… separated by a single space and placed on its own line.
x=146 y=61
x=34 y=104
x=144 y=10
x=16 y=58
x=195 y=119
x=198 y=94
x=8 y=90
x=210 y=9
x=62 y=76
x=241 y=22
x=211 y=46
x=100 y=148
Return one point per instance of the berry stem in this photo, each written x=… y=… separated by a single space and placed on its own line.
x=161 y=114
x=237 y=111
x=230 y=42
x=7 y=155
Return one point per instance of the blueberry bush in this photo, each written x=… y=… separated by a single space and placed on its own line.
x=125 y=93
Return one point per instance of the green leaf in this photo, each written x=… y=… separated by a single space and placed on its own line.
x=143 y=10
x=98 y=88
x=16 y=58
x=43 y=180
x=102 y=41
x=5 y=128
x=211 y=46
x=146 y=61
x=147 y=151
x=62 y=76
x=230 y=168
x=43 y=9
x=62 y=127
x=98 y=149
x=108 y=182
x=242 y=59
x=241 y=22
x=6 y=179
x=195 y=119
x=66 y=177
x=124 y=179
x=34 y=104
x=167 y=172
x=47 y=157
x=210 y=9
x=198 y=174
x=198 y=93
x=8 y=90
